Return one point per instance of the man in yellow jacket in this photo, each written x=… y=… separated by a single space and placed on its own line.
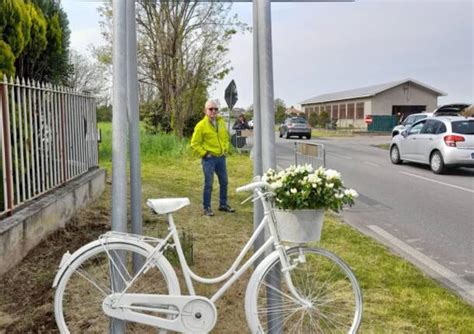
x=211 y=141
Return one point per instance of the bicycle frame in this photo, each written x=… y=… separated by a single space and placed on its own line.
x=232 y=274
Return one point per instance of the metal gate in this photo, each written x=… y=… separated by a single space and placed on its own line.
x=383 y=123
x=313 y=154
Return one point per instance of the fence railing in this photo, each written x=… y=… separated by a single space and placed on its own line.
x=310 y=153
x=48 y=136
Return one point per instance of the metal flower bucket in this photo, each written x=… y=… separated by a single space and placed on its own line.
x=299 y=226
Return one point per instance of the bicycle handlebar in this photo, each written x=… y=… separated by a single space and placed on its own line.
x=252 y=186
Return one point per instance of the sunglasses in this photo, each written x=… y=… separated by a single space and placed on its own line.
x=213 y=109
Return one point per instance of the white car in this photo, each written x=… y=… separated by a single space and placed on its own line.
x=453 y=109
x=250 y=123
x=441 y=142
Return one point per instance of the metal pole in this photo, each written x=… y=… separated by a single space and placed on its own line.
x=134 y=127
x=268 y=138
x=266 y=84
x=257 y=126
x=7 y=178
x=119 y=138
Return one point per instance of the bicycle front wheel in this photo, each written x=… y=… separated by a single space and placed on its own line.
x=329 y=300
x=87 y=281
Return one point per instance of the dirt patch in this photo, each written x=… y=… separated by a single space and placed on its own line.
x=26 y=295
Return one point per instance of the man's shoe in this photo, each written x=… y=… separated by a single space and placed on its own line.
x=226 y=208
x=208 y=212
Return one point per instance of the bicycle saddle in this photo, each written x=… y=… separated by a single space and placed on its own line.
x=167 y=205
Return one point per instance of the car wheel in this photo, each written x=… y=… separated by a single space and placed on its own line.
x=395 y=155
x=308 y=136
x=281 y=134
x=437 y=163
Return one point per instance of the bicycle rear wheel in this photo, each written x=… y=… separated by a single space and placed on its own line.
x=333 y=299
x=84 y=285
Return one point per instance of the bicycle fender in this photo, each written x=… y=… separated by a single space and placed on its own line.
x=68 y=258
x=259 y=271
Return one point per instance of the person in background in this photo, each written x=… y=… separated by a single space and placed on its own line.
x=241 y=123
x=210 y=141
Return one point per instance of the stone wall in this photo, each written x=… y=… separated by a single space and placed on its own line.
x=21 y=232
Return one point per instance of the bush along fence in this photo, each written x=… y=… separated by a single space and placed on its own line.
x=48 y=136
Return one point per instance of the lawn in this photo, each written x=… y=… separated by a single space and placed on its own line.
x=397 y=296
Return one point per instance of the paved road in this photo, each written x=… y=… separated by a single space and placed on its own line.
x=427 y=218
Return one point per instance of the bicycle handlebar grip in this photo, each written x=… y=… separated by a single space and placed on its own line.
x=252 y=186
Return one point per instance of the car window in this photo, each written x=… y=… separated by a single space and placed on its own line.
x=409 y=120
x=298 y=120
x=465 y=127
x=440 y=127
x=416 y=128
x=412 y=119
x=430 y=127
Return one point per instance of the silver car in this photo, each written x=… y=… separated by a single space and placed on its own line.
x=453 y=109
x=441 y=142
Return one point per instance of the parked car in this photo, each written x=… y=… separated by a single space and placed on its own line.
x=295 y=126
x=250 y=123
x=407 y=122
x=441 y=142
x=453 y=109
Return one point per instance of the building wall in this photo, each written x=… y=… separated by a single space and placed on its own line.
x=339 y=108
x=404 y=95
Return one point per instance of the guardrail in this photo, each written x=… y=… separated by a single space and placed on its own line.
x=310 y=153
x=48 y=136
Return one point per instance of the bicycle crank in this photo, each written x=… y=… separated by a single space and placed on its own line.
x=190 y=314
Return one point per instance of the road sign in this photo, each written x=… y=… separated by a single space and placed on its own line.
x=231 y=95
x=368 y=119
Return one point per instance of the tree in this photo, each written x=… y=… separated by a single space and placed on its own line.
x=36 y=34
x=53 y=64
x=88 y=76
x=7 y=60
x=181 y=50
x=280 y=109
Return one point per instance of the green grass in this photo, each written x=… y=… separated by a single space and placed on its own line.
x=398 y=298
x=318 y=132
x=383 y=146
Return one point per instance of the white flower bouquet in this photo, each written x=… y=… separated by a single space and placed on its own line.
x=302 y=187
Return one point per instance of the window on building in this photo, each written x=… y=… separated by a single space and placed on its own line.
x=360 y=110
x=342 y=111
x=335 y=112
x=350 y=111
x=328 y=110
x=316 y=109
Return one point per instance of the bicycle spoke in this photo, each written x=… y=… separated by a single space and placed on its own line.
x=81 y=292
x=322 y=280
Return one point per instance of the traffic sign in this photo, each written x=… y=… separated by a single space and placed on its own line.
x=368 y=119
x=231 y=95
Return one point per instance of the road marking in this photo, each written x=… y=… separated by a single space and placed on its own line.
x=436 y=267
x=439 y=182
x=371 y=163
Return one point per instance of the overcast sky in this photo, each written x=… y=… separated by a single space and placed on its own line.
x=328 y=47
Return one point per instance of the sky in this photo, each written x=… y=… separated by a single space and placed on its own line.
x=323 y=48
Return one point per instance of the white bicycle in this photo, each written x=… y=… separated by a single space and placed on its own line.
x=297 y=289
